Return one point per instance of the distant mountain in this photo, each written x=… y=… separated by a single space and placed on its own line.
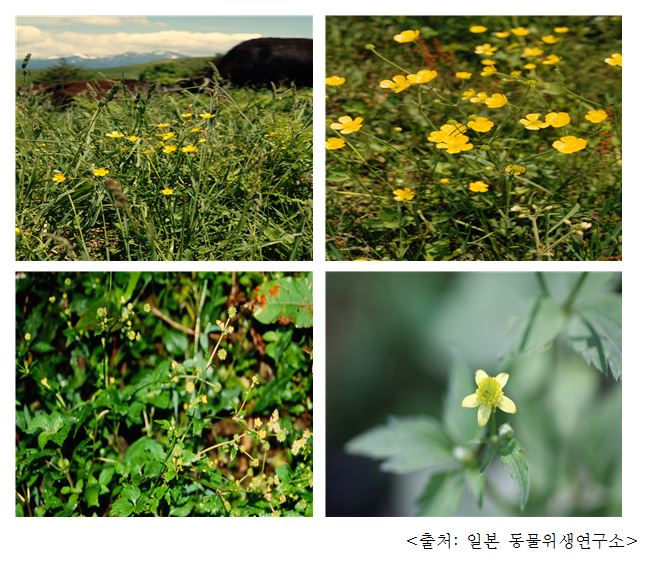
x=94 y=62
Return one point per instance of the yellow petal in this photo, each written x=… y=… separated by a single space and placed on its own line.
x=470 y=401
x=502 y=379
x=507 y=405
x=479 y=376
x=483 y=415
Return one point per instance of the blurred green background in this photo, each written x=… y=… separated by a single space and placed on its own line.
x=392 y=339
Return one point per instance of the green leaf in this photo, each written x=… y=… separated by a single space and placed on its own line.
x=121 y=508
x=514 y=460
x=92 y=490
x=441 y=495
x=595 y=333
x=490 y=453
x=405 y=445
x=541 y=325
x=287 y=300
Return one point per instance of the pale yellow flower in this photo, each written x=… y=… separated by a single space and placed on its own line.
x=489 y=396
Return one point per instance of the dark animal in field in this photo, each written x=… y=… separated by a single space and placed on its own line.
x=62 y=94
x=266 y=61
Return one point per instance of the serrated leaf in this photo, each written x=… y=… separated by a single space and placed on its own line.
x=595 y=332
x=121 y=508
x=405 y=444
x=287 y=300
x=441 y=495
x=514 y=460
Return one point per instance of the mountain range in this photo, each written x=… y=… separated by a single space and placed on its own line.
x=96 y=62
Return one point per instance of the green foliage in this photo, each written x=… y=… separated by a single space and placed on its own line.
x=63 y=72
x=286 y=300
x=156 y=394
x=540 y=204
x=229 y=177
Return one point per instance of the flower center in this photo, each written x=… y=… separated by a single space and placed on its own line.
x=489 y=392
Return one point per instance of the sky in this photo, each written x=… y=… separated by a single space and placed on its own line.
x=55 y=36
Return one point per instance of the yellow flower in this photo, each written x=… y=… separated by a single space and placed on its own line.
x=196 y=129
x=488 y=70
x=189 y=149
x=206 y=115
x=149 y=151
x=551 y=59
x=451 y=138
x=334 y=81
x=169 y=148
x=557 y=120
x=489 y=396
x=114 y=135
x=479 y=97
x=530 y=66
x=569 y=144
x=334 y=143
x=485 y=49
x=407 y=36
x=501 y=35
x=614 y=60
x=187 y=115
x=477 y=29
x=549 y=39
x=495 y=101
x=468 y=94
x=133 y=138
x=515 y=169
x=201 y=141
x=59 y=177
x=532 y=52
x=463 y=75
x=480 y=124
x=347 y=125
x=594 y=116
x=166 y=136
x=478 y=186
x=422 y=76
x=444 y=181
x=101 y=171
x=520 y=31
x=488 y=62
x=189 y=386
x=561 y=30
x=399 y=83
x=515 y=73
x=162 y=125
x=532 y=122
x=403 y=195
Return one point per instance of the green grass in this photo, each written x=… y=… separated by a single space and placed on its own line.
x=543 y=214
x=244 y=193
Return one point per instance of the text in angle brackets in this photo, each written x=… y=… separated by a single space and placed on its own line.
x=535 y=541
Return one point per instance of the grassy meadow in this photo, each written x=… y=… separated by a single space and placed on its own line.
x=165 y=175
x=473 y=138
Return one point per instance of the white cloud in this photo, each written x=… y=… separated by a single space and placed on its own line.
x=57 y=21
x=43 y=43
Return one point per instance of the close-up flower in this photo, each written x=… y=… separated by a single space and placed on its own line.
x=407 y=36
x=485 y=49
x=479 y=97
x=169 y=148
x=403 y=195
x=489 y=396
x=532 y=122
x=478 y=186
x=422 y=76
x=167 y=191
x=100 y=171
x=189 y=148
x=551 y=59
x=397 y=84
x=58 y=177
x=334 y=143
x=569 y=144
x=495 y=101
x=477 y=29
x=480 y=124
x=347 y=125
x=334 y=81
x=520 y=31
x=596 y=116
x=614 y=60
x=557 y=120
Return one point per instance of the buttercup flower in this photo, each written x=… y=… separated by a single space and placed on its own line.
x=206 y=115
x=488 y=70
x=169 y=148
x=614 y=60
x=133 y=138
x=569 y=144
x=561 y=30
x=489 y=396
x=480 y=124
x=165 y=192
x=444 y=181
x=407 y=36
x=463 y=75
x=58 y=177
x=100 y=171
x=488 y=62
x=596 y=116
x=532 y=122
x=495 y=101
x=347 y=125
x=334 y=81
x=515 y=73
x=403 y=195
x=478 y=186
x=114 y=135
x=557 y=120
x=399 y=83
x=485 y=49
x=334 y=143
x=422 y=76
x=520 y=31
x=515 y=169
x=532 y=52
x=186 y=115
x=451 y=138
x=189 y=148
x=166 y=136
x=530 y=66
x=501 y=35
x=551 y=59
x=549 y=39
x=477 y=29
x=479 y=97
